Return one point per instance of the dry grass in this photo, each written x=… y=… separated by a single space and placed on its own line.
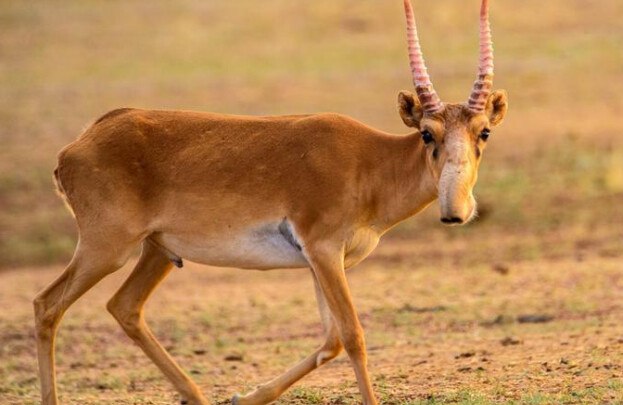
x=550 y=191
x=64 y=65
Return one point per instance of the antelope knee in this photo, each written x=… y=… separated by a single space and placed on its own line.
x=354 y=343
x=129 y=320
x=45 y=320
x=328 y=352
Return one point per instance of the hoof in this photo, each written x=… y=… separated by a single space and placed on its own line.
x=235 y=400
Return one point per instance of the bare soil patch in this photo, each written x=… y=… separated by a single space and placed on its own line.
x=435 y=335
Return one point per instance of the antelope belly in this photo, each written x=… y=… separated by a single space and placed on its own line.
x=263 y=249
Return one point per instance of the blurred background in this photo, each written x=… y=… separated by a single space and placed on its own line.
x=550 y=186
x=552 y=180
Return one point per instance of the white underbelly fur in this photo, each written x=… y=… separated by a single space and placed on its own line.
x=263 y=248
x=247 y=251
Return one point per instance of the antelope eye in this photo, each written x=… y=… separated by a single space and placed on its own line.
x=484 y=135
x=427 y=137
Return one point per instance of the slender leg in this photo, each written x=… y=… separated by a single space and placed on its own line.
x=328 y=266
x=127 y=307
x=270 y=391
x=88 y=266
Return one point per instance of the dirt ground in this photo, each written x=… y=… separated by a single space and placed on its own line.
x=533 y=332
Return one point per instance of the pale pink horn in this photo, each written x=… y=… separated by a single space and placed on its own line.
x=423 y=86
x=482 y=86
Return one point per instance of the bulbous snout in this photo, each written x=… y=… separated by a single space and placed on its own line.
x=460 y=216
x=456 y=202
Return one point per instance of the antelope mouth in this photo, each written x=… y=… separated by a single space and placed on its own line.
x=452 y=221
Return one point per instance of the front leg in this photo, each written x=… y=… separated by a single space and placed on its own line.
x=327 y=262
x=332 y=346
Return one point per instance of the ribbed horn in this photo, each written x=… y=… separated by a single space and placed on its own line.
x=482 y=86
x=423 y=86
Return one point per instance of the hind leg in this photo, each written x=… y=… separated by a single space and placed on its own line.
x=127 y=307
x=331 y=347
x=88 y=266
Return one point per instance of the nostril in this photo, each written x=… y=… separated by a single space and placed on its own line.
x=451 y=220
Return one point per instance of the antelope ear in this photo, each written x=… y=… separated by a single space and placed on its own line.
x=410 y=109
x=496 y=107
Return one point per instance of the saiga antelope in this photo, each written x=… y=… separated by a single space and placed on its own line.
x=304 y=191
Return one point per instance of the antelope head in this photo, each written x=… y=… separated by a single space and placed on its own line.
x=454 y=134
